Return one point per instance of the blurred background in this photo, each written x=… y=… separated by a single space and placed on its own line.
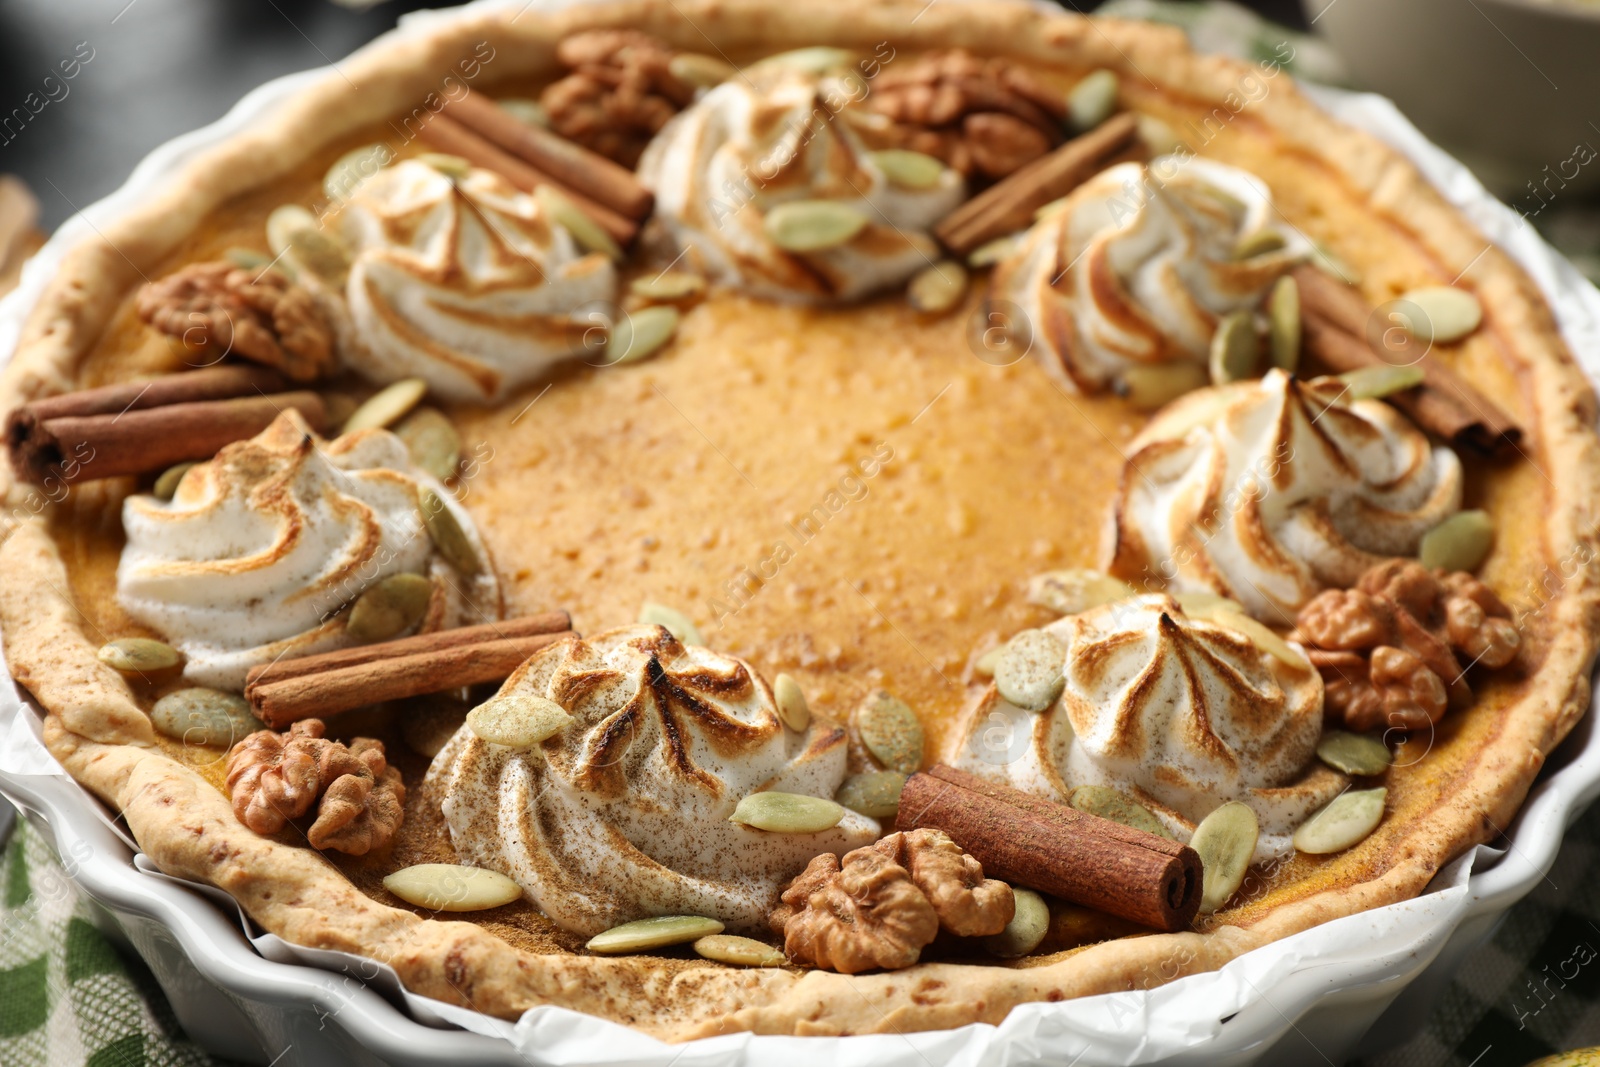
x=1512 y=87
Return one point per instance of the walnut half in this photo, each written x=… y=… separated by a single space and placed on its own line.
x=276 y=777
x=217 y=309
x=881 y=905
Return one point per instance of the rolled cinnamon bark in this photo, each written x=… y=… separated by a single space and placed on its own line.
x=278 y=703
x=1009 y=204
x=139 y=427
x=1037 y=843
x=1335 y=319
x=448 y=135
x=568 y=162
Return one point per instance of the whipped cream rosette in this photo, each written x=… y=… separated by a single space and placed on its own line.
x=624 y=813
x=262 y=546
x=464 y=282
x=1137 y=265
x=1181 y=713
x=1267 y=491
x=770 y=137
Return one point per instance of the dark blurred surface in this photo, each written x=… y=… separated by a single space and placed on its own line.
x=163 y=67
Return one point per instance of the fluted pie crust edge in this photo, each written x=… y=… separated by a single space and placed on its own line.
x=105 y=741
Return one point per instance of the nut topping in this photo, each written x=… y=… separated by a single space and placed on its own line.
x=275 y=777
x=621 y=91
x=981 y=116
x=883 y=904
x=217 y=309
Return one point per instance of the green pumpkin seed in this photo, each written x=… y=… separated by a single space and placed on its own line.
x=1358 y=754
x=201 y=716
x=1345 y=822
x=517 y=720
x=247 y=258
x=891 y=731
x=668 y=287
x=1052 y=209
x=875 y=794
x=1446 y=313
x=387 y=406
x=791 y=700
x=739 y=951
x=640 y=334
x=1325 y=260
x=388 y=608
x=139 y=655
x=353 y=168
x=1377 y=382
x=812 y=225
x=453 y=167
x=787 y=813
x=1110 y=804
x=1025 y=932
x=1459 y=543
x=1148 y=387
x=1260 y=636
x=1259 y=243
x=936 y=289
x=590 y=235
x=677 y=623
x=1160 y=138
x=1069 y=592
x=166 y=486
x=432 y=440
x=986 y=663
x=700 y=70
x=991 y=252
x=1225 y=841
x=294 y=235
x=1283 y=323
x=646 y=934
x=815 y=59
x=907 y=169
x=452 y=887
x=526 y=111
x=445 y=530
x=1029 y=674
x=1092 y=100
x=1206 y=605
x=1235 y=349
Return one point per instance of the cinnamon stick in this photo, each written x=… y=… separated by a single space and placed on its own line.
x=1335 y=322
x=448 y=135
x=567 y=162
x=1051 y=847
x=316 y=686
x=1009 y=204
x=137 y=427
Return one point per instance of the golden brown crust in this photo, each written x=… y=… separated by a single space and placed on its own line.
x=97 y=731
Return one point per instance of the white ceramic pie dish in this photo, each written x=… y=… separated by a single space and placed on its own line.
x=1320 y=993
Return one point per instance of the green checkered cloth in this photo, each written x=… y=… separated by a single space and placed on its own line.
x=67 y=996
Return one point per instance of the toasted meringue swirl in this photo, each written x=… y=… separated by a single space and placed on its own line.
x=261 y=547
x=1181 y=713
x=768 y=137
x=1138 y=264
x=1269 y=491
x=624 y=814
x=464 y=283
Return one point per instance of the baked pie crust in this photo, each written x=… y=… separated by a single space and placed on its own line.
x=1336 y=182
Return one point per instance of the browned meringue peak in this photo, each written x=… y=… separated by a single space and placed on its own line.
x=463 y=282
x=768 y=137
x=263 y=544
x=1137 y=265
x=624 y=814
x=1269 y=491
x=1182 y=713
